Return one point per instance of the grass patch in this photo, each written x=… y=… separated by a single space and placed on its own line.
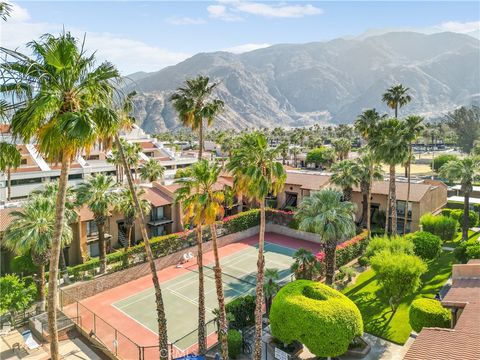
x=376 y=313
x=458 y=239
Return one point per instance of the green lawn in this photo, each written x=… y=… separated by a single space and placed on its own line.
x=376 y=313
x=455 y=242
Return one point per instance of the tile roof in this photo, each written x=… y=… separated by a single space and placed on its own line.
x=417 y=190
x=5 y=217
x=147 y=145
x=307 y=181
x=85 y=214
x=156 y=197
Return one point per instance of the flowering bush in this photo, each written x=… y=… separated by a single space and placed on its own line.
x=348 y=250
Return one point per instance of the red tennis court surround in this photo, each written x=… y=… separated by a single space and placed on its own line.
x=112 y=327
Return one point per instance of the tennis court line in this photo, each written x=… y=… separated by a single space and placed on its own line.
x=138 y=322
x=282 y=246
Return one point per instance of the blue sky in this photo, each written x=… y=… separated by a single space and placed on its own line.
x=138 y=35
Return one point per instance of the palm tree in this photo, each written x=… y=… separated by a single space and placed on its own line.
x=125 y=205
x=271 y=287
x=346 y=176
x=342 y=147
x=65 y=98
x=5 y=10
x=396 y=97
x=366 y=125
x=368 y=171
x=325 y=214
x=257 y=173
x=203 y=205
x=151 y=171
x=467 y=172
x=305 y=265
x=194 y=106
x=414 y=129
x=10 y=158
x=97 y=192
x=390 y=146
x=132 y=151
x=31 y=232
x=122 y=113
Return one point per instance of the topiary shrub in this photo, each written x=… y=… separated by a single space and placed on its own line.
x=321 y=318
x=426 y=245
x=443 y=226
x=428 y=313
x=234 y=340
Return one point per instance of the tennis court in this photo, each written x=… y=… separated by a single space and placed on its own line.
x=180 y=294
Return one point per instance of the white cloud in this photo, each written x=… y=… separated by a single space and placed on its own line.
x=186 y=21
x=128 y=55
x=460 y=27
x=232 y=9
x=246 y=48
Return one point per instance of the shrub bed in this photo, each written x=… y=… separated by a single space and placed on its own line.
x=443 y=226
x=428 y=313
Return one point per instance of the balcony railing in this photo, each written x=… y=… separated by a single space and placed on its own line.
x=157 y=220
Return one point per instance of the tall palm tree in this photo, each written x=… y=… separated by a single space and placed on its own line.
x=31 y=232
x=389 y=145
x=10 y=158
x=257 y=173
x=203 y=205
x=467 y=172
x=346 y=176
x=125 y=121
x=152 y=171
x=126 y=205
x=5 y=10
x=325 y=214
x=366 y=125
x=97 y=192
x=65 y=96
x=368 y=172
x=414 y=129
x=396 y=97
x=194 y=105
x=132 y=151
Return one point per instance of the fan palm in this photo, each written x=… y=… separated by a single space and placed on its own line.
x=10 y=158
x=368 y=171
x=390 y=146
x=194 y=105
x=414 y=129
x=257 y=174
x=65 y=99
x=271 y=287
x=342 y=147
x=31 y=232
x=396 y=97
x=325 y=214
x=346 y=176
x=5 y=10
x=132 y=151
x=305 y=265
x=203 y=205
x=467 y=172
x=97 y=192
x=152 y=171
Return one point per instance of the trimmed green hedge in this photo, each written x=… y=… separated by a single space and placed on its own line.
x=443 y=226
x=395 y=245
x=428 y=313
x=242 y=221
x=234 y=340
x=316 y=315
x=468 y=250
x=426 y=245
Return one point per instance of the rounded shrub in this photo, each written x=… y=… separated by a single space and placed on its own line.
x=467 y=250
x=442 y=160
x=395 y=245
x=234 y=340
x=443 y=226
x=457 y=214
x=428 y=313
x=321 y=318
x=426 y=245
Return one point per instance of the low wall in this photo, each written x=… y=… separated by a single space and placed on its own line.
x=287 y=231
x=84 y=289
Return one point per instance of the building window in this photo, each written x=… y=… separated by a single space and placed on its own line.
x=75 y=176
x=23 y=161
x=92 y=228
x=157 y=231
x=157 y=213
x=26 y=181
x=401 y=209
x=93 y=157
x=149 y=153
x=93 y=249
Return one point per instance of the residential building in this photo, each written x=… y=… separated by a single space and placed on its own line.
x=462 y=340
x=300 y=184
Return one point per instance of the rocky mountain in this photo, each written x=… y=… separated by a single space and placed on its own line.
x=321 y=82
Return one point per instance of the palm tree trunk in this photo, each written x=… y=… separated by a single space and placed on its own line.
x=162 y=321
x=202 y=337
x=364 y=208
x=129 y=241
x=41 y=288
x=369 y=204
x=330 y=255
x=240 y=202
x=63 y=266
x=347 y=194
x=9 y=183
x=200 y=141
x=393 y=200
x=101 y=245
x=257 y=354
x=223 y=328
x=55 y=257
x=409 y=169
x=466 y=211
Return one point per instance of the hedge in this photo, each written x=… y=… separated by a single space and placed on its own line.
x=234 y=340
x=321 y=318
x=443 y=226
x=468 y=250
x=457 y=214
x=428 y=313
x=394 y=245
x=426 y=245
x=243 y=311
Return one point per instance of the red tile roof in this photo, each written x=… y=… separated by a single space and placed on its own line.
x=156 y=197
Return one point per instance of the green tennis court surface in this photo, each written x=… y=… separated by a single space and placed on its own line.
x=181 y=293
